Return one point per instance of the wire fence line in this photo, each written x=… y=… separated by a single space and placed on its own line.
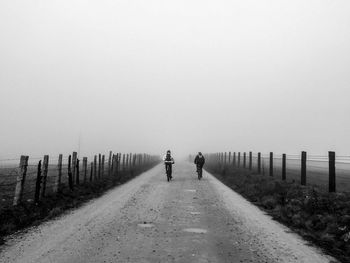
x=330 y=173
x=31 y=179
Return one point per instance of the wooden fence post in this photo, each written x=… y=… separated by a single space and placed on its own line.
x=244 y=160
x=70 y=175
x=109 y=163
x=229 y=157
x=85 y=168
x=37 y=184
x=234 y=159
x=58 y=181
x=95 y=167
x=225 y=158
x=74 y=165
x=45 y=171
x=118 y=165
x=21 y=177
x=77 y=172
x=123 y=162
x=113 y=165
x=127 y=161
x=271 y=164
x=103 y=166
x=332 y=182
x=99 y=166
x=91 y=170
x=116 y=173
x=284 y=166
x=259 y=163
x=239 y=160
x=303 y=168
x=134 y=160
x=250 y=160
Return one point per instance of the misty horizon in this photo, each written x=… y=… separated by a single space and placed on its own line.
x=189 y=76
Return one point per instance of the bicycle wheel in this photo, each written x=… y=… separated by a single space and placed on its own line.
x=199 y=174
x=168 y=173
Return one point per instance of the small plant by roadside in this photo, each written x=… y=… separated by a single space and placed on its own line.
x=320 y=217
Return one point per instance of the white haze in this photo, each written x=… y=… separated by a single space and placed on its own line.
x=147 y=76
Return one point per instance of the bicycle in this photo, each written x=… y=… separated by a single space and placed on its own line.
x=199 y=172
x=168 y=170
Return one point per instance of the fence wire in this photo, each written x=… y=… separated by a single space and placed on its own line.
x=317 y=168
x=10 y=171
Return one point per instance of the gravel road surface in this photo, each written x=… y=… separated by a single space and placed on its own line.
x=151 y=220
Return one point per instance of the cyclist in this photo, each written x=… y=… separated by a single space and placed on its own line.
x=168 y=161
x=199 y=162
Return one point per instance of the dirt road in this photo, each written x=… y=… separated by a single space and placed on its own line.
x=151 y=220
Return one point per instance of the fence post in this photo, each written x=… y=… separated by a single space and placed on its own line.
x=74 y=165
x=244 y=160
x=234 y=159
x=127 y=161
x=239 y=160
x=37 y=184
x=70 y=176
x=109 y=163
x=271 y=164
x=99 y=166
x=77 y=172
x=134 y=160
x=259 y=163
x=103 y=166
x=332 y=182
x=303 y=168
x=91 y=170
x=59 y=175
x=118 y=159
x=123 y=161
x=95 y=167
x=284 y=167
x=117 y=175
x=85 y=168
x=45 y=170
x=113 y=165
x=21 y=177
x=250 y=160
x=229 y=157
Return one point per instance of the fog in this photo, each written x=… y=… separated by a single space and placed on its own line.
x=147 y=76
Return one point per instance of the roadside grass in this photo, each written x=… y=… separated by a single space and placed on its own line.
x=15 y=218
x=320 y=217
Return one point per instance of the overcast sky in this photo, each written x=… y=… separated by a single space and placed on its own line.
x=185 y=75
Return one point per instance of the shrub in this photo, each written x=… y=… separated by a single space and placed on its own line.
x=269 y=202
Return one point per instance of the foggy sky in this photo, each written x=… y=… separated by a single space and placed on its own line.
x=147 y=76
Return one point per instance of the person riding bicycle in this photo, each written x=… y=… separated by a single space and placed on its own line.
x=168 y=161
x=199 y=162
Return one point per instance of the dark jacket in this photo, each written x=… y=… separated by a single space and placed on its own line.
x=199 y=161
